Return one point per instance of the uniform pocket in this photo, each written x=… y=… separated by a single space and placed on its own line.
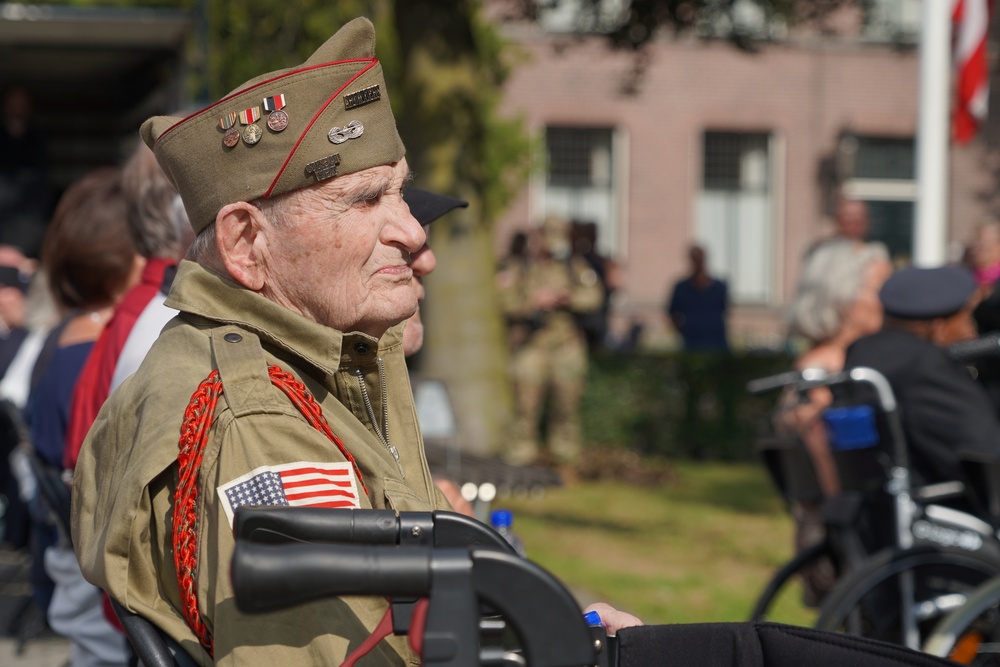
x=402 y=498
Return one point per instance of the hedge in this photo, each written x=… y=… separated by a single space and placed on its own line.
x=676 y=404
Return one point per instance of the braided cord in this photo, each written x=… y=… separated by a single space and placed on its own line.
x=311 y=410
x=198 y=417
x=194 y=436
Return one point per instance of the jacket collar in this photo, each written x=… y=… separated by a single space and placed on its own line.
x=206 y=294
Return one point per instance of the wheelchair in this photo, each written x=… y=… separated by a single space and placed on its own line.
x=904 y=557
x=971 y=634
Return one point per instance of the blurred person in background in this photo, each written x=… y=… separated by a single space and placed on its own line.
x=25 y=199
x=983 y=257
x=16 y=271
x=90 y=262
x=510 y=265
x=595 y=323
x=427 y=207
x=543 y=298
x=698 y=305
x=836 y=304
x=943 y=410
x=15 y=275
x=159 y=229
x=697 y=308
x=851 y=222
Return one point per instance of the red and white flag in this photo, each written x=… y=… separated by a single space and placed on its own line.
x=970 y=23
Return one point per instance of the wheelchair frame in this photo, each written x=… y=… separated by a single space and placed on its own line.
x=957 y=548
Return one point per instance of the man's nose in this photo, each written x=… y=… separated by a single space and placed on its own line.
x=406 y=231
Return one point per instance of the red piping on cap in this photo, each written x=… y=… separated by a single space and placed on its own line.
x=372 y=61
x=313 y=122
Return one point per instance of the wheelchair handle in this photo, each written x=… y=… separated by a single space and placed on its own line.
x=978 y=349
x=812 y=378
x=544 y=614
x=272 y=577
x=278 y=525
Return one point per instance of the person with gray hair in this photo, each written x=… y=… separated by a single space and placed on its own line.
x=832 y=280
x=161 y=233
x=835 y=304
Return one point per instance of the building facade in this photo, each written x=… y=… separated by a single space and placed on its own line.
x=694 y=140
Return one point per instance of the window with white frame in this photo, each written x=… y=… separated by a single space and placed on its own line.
x=892 y=20
x=735 y=213
x=882 y=174
x=581 y=182
x=581 y=16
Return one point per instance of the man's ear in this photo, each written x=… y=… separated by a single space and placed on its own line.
x=238 y=239
x=942 y=330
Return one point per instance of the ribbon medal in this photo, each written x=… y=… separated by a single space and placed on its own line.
x=252 y=132
x=277 y=120
x=232 y=135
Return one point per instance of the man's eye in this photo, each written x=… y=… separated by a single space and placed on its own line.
x=370 y=199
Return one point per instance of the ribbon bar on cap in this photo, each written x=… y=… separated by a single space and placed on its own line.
x=362 y=97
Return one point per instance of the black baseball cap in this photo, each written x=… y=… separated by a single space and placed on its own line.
x=428 y=206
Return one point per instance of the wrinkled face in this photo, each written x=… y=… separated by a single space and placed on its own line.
x=339 y=252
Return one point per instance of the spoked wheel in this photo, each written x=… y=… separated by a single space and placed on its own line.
x=970 y=635
x=776 y=585
x=898 y=596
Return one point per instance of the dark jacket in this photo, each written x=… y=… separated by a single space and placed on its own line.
x=943 y=409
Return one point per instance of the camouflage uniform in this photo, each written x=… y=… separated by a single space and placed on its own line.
x=549 y=351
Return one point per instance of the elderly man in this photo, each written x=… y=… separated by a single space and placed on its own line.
x=944 y=411
x=282 y=381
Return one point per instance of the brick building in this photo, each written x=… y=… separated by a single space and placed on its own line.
x=742 y=152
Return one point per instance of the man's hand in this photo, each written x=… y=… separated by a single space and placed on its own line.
x=612 y=619
x=549 y=298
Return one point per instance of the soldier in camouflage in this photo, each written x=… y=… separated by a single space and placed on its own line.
x=542 y=297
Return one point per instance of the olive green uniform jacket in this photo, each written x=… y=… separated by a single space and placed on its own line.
x=127 y=472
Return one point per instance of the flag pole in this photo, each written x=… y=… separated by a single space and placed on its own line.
x=931 y=214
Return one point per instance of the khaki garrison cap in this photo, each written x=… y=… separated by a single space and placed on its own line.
x=337 y=120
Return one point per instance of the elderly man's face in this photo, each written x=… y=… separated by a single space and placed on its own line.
x=341 y=253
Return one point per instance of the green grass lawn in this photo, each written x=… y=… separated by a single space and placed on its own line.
x=698 y=549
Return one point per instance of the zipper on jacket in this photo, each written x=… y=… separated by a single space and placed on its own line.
x=381 y=431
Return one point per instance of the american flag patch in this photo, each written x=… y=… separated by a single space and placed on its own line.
x=300 y=484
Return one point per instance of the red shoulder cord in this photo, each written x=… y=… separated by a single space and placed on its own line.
x=194 y=435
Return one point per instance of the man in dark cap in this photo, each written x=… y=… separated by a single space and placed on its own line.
x=943 y=409
x=426 y=207
x=282 y=380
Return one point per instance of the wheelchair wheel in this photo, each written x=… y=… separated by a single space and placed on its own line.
x=895 y=589
x=970 y=635
x=777 y=583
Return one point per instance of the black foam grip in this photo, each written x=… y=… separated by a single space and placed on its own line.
x=271 y=577
x=277 y=525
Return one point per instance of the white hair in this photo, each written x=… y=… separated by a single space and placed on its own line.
x=832 y=275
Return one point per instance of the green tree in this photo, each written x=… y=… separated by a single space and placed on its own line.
x=633 y=23
x=450 y=74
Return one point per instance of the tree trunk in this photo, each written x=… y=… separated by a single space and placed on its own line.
x=448 y=84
